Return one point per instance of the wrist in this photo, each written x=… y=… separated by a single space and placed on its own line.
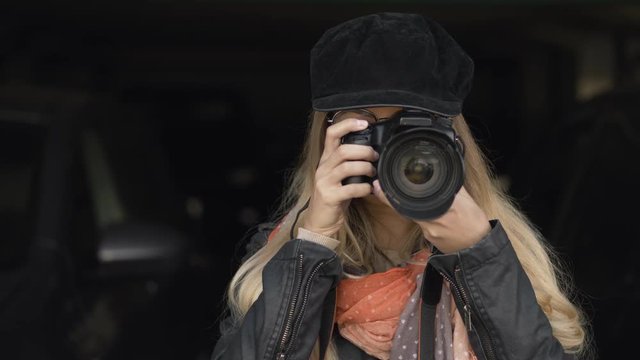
x=460 y=240
x=327 y=241
x=328 y=232
x=319 y=227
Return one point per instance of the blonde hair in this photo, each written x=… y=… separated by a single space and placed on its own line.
x=357 y=247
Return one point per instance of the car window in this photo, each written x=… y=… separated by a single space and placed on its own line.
x=108 y=207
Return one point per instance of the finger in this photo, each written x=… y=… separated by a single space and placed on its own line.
x=347 y=152
x=460 y=199
x=336 y=131
x=351 y=168
x=463 y=192
x=351 y=191
x=379 y=194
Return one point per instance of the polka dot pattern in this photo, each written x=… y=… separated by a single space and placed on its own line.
x=380 y=314
x=368 y=309
x=405 y=345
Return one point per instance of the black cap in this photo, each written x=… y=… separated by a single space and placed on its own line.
x=389 y=59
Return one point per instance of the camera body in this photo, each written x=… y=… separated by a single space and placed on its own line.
x=421 y=163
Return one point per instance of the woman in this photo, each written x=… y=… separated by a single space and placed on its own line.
x=342 y=274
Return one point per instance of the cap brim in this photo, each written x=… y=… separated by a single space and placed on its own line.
x=374 y=98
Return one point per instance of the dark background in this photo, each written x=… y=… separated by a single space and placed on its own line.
x=140 y=141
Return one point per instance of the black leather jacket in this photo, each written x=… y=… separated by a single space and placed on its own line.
x=297 y=305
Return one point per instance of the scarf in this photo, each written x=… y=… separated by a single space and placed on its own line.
x=380 y=314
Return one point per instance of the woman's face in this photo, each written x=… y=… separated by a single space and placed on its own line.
x=385 y=111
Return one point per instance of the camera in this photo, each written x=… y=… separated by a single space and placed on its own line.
x=421 y=163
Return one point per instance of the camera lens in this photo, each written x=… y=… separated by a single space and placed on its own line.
x=422 y=171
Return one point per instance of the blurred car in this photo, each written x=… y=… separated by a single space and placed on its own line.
x=96 y=257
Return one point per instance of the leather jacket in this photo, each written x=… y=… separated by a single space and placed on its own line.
x=297 y=305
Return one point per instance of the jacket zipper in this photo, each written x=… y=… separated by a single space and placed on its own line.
x=303 y=305
x=292 y=306
x=291 y=328
x=461 y=296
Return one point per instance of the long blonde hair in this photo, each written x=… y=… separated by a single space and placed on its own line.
x=357 y=247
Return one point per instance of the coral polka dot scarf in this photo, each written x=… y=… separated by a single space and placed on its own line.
x=380 y=314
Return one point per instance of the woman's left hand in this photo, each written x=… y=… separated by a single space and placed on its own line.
x=463 y=225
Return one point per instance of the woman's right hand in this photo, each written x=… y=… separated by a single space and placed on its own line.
x=330 y=199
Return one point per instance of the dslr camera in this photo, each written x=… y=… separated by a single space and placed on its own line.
x=421 y=164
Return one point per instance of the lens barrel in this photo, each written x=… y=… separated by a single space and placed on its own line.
x=362 y=137
x=420 y=172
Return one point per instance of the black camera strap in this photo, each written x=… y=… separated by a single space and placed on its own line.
x=293 y=225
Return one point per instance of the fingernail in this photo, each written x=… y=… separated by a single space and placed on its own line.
x=376 y=186
x=363 y=124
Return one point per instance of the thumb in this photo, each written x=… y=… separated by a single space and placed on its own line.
x=379 y=194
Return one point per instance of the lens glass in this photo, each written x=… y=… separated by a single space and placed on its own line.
x=419 y=168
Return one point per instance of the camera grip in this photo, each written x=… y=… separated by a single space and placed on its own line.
x=362 y=137
x=357 y=180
